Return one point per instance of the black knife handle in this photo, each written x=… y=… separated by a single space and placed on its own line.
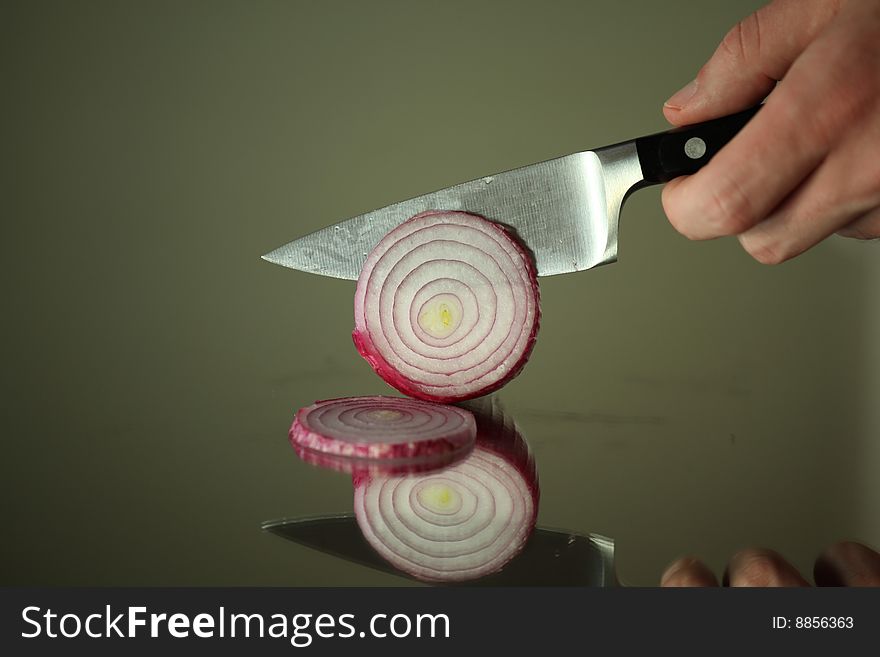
x=686 y=150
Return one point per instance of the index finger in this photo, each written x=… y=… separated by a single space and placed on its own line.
x=752 y=174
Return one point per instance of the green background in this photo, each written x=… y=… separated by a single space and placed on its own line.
x=684 y=400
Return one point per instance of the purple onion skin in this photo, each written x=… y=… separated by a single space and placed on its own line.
x=361 y=468
x=395 y=379
x=364 y=344
x=497 y=433
x=314 y=441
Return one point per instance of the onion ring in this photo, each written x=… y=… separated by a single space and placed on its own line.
x=459 y=523
x=390 y=429
x=447 y=307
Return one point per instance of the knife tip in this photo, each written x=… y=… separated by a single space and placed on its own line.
x=271 y=257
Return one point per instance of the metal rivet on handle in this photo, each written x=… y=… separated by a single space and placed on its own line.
x=695 y=148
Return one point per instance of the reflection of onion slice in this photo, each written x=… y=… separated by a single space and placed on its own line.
x=382 y=428
x=458 y=523
x=446 y=307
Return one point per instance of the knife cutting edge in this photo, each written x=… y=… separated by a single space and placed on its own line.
x=565 y=210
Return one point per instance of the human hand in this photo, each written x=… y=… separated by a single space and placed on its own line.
x=808 y=164
x=843 y=564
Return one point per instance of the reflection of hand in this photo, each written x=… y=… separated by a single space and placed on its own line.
x=807 y=165
x=843 y=564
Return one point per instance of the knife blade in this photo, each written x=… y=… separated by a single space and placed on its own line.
x=550 y=558
x=565 y=210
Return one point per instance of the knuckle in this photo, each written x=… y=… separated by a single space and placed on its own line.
x=858 y=232
x=754 y=567
x=865 y=579
x=729 y=209
x=686 y=579
x=733 y=43
x=743 y=41
x=866 y=227
x=844 y=550
x=825 y=124
x=671 y=208
x=847 y=109
x=858 y=560
x=684 y=572
x=766 y=254
x=684 y=229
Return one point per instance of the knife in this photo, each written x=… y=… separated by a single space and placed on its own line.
x=549 y=558
x=565 y=210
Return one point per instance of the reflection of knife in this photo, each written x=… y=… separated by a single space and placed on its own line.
x=550 y=558
x=565 y=210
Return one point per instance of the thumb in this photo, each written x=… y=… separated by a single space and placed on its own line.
x=755 y=54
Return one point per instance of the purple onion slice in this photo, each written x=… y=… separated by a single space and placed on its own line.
x=358 y=467
x=447 y=307
x=390 y=429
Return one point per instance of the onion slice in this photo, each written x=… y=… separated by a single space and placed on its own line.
x=447 y=307
x=358 y=467
x=460 y=523
x=386 y=428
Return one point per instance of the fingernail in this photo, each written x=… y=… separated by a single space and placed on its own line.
x=681 y=97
